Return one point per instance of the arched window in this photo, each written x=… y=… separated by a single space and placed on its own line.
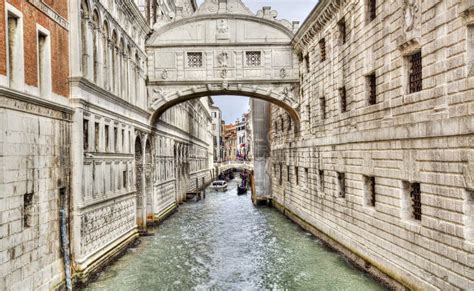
x=95 y=46
x=106 y=55
x=113 y=49
x=137 y=78
x=84 y=40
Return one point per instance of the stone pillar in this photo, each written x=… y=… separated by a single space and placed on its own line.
x=260 y=111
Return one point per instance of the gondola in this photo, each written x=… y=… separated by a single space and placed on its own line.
x=241 y=190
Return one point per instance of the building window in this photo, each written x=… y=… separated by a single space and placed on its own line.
x=85 y=134
x=369 y=187
x=322 y=104
x=195 y=60
x=254 y=59
x=115 y=138
x=123 y=140
x=281 y=175
x=415 y=72
x=288 y=173
x=411 y=201
x=15 y=50
x=371 y=10
x=44 y=64
x=372 y=89
x=96 y=136
x=341 y=26
x=470 y=215
x=107 y=137
x=343 y=99
x=306 y=175
x=307 y=63
x=297 y=176
x=124 y=179
x=321 y=180
x=322 y=49
x=341 y=182
x=28 y=210
x=289 y=123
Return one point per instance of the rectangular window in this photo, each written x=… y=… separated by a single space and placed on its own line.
x=322 y=104
x=411 y=201
x=343 y=99
x=96 y=136
x=322 y=50
x=415 y=72
x=253 y=59
x=341 y=181
x=469 y=228
x=369 y=191
x=308 y=111
x=306 y=175
x=371 y=10
x=307 y=63
x=129 y=142
x=107 y=137
x=28 y=210
x=321 y=180
x=288 y=173
x=341 y=25
x=44 y=64
x=124 y=179
x=372 y=89
x=281 y=175
x=195 y=60
x=115 y=139
x=123 y=140
x=14 y=50
x=85 y=134
x=297 y=176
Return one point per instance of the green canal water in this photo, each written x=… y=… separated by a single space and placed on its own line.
x=225 y=243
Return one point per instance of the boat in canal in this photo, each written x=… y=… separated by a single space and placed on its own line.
x=219 y=185
x=242 y=190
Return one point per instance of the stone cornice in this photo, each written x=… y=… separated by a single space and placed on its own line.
x=322 y=13
x=217 y=82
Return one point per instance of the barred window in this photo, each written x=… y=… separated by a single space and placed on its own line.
x=296 y=175
x=28 y=210
x=415 y=72
x=371 y=10
x=281 y=175
x=322 y=104
x=343 y=99
x=372 y=87
x=341 y=179
x=254 y=58
x=288 y=173
x=416 y=200
x=322 y=49
x=321 y=180
x=411 y=201
x=369 y=191
x=195 y=60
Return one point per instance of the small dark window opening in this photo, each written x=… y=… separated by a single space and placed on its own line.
x=107 y=138
x=281 y=174
x=124 y=179
x=123 y=140
x=371 y=9
x=372 y=87
x=342 y=31
x=415 y=73
x=275 y=126
x=96 y=136
x=341 y=178
x=321 y=180
x=322 y=49
x=370 y=191
x=282 y=124
x=85 y=134
x=415 y=195
x=297 y=176
x=288 y=173
x=307 y=63
x=115 y=138
x=306 y=175
x=343 y=99
x=322 y=104
x=289 y=123
x=28 y=210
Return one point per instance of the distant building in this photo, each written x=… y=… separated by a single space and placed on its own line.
x=230 y=142
x=217 y=132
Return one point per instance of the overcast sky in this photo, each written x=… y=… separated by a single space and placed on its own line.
x=293 y=10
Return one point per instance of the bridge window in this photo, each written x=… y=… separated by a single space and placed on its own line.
x=254 y=58
x=341 y=181
x=343 y=99
x=415 y=72
x=322 y=50
x=372 y=89
x=195 y=60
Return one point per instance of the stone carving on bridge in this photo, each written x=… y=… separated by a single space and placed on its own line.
x=223 y=59
x=222 y=30
x=283 y=73
x=288 y=93
x=224 y=73
x=164 y=75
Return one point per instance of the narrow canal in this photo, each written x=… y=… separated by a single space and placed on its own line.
x=225 y=243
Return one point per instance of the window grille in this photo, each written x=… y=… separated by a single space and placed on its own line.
x=321 y=180
x=372 y=9
x=370 y=188
x=416 y=200
x=343 y=96
x=195 y=60
x=341 y=178
x=322 y=104
x=28 y=210
x=254 y=59
x=322 y=49
x=372 y=80
x=415 y=72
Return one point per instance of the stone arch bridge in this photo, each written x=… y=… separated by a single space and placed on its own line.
x=223 y=49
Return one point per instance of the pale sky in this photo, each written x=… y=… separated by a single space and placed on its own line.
x=292 y=10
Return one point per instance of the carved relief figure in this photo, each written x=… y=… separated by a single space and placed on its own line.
x=222 y=29
x=222 y=59
x=164 y=75
x=410 y=11
x=283 y=73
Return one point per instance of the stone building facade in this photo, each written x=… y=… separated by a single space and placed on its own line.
x=382 y=167
x=217 y=132
x=35 y=131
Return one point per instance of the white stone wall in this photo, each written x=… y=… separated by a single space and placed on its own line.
x=424 y=137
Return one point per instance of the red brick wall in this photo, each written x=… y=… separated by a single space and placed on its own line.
x=58 y=38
